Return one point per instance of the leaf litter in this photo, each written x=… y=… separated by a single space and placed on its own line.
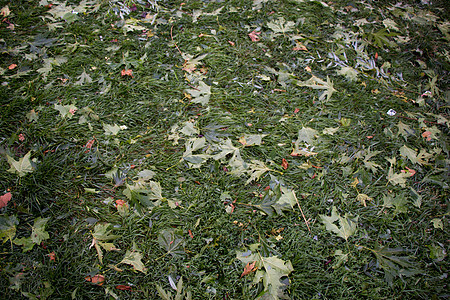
x=218 y=122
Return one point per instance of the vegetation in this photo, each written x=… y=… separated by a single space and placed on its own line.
x=224 y=149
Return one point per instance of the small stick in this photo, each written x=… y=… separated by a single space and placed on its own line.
x=304 y=218
x=171 y=36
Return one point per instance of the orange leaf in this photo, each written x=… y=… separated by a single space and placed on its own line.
x=284 y=164
x=411 y=171
x=128 y=72
x=121 y=203
x=254 y=36
x=231 y=43
x=249 y=268
x=427 y=135
x=5 y=199
x=123 y=287
x=52 y=256
x=96 y=279
x=296 y=110
x=12 y=66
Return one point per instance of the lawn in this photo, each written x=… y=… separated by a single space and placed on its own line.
x=236 y=149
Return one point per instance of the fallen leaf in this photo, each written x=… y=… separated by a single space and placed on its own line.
x=427 y=135
x=22 y=166
x=5 y=11
x=52 y=256
x=12 y=66
x=254 y=36
x=5 y=199
x=96 y=279
x=249 y=268
x=128 y=72
x=123 y=287
x=284 y=164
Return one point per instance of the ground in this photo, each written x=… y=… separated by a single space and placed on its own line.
x=224 y=149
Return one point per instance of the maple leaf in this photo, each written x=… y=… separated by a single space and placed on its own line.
x=369 y=164
x=83 y=78
x=192 y=145
x=111 y=129
x=392 y=264
x=251 y=139
x=249 y=268
x=5 y=199
x=128 y=72
x=270 y=270
x=66 y=111
x=397 y=178
x=134 y=258
x=201 y=94
x=254 y=36
x=144 y=195
x=281 y=26
x=171 y=242
x=347 y=225
x=226 y=147
x=318 y=84
x=399 y=202
x=191 y=62
x=284 y=164
x=256 y=169
x=8 y=228
x=412 y=155
x=102 y=234
x=22 y=166
x=96 y=279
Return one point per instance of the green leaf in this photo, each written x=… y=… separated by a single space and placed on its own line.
x=396 y=178
x=251 y=139
x=111 y=129
x=399 y=202
x=437 y=223
x=27 y=243
x=20 y=167
x=201 y=94
x=8 y=228
x=83 y=78
x=307 y=135
x=347 y=225
x=270 y=270
x=437 y=252
x=102 y=233
x=144 y=195
x=392 y=264
x=38 y=233
x=134 y=258
x=350 y=73
x=281 y=26
x=66 y=111
x=256 y=169
x=404 y=130
x=171 y=242
x=318 y=84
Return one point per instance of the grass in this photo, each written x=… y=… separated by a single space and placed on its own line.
x=83 y=161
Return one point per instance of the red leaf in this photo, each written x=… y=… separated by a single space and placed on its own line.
x=249 y=268
x=52 y=256
x=254 y=36
x=296 y=110
x=5 y=199
x=96 y=279
x=12 y=66
x=427 y=135
x=284 y=164
x=128 y=72
x=123 y=287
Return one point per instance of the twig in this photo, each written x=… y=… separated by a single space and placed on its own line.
x=171 y=36
x=304 y=218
